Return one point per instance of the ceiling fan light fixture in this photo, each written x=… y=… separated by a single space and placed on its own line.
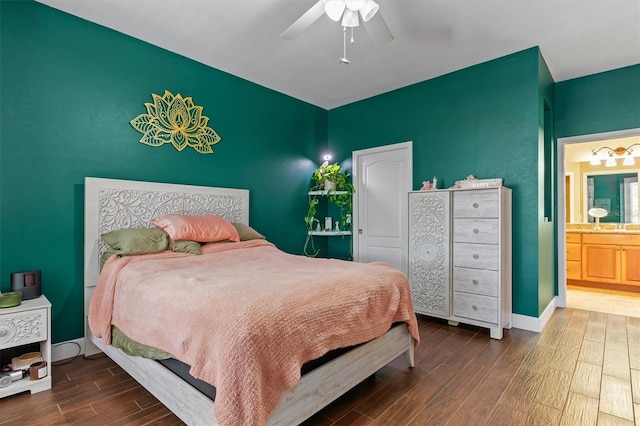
x=350 y=18
x=368 y=10
x=354 y=5
x=334 y=9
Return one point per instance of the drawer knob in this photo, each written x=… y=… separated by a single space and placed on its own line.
x=476 y=256
x=474 y=307
x=475 y=282
x=476 y=230
x=476 y=205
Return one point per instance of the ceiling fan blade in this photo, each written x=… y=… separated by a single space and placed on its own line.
x=378 y=30
x=304 y=22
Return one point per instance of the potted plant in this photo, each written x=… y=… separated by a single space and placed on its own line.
x=327 y=176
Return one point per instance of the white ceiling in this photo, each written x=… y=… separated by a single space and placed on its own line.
x=432 y=38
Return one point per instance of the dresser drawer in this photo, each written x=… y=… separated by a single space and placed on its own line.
x=484 y=231
x=470 y=204
x=473 y=306
x=574 y=251
x=477 y=256
x=574 y=270
x=477 y=281
x=23 y=327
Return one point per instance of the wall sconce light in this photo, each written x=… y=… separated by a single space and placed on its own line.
x=611 y=160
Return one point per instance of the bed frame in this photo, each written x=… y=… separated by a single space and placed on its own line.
x=112 y=204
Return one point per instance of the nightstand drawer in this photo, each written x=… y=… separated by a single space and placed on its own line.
x=22 y=328
x=484 y=231
x=475 y=204
x=477 y=281
x=478 y=256
x=473 y=306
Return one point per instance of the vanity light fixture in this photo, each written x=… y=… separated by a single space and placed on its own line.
x=611 y=160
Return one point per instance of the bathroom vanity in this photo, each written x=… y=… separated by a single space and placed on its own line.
x=605 y=258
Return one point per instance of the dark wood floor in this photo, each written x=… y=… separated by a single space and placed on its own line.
x=584 y=369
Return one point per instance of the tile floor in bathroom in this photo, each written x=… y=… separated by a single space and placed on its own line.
x=601 y=300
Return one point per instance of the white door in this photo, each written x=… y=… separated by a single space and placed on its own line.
x=382 y=178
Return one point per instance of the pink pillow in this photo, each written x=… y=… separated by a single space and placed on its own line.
x=203 y=229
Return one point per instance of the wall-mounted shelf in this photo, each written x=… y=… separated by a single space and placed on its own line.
x=327 y=192
x=330 y=233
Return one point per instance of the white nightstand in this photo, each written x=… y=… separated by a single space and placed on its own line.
x=28 y=323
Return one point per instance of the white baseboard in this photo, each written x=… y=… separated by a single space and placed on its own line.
x=525 y=322
x=67 y=349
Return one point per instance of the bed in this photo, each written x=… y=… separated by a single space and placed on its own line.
x=115 y=204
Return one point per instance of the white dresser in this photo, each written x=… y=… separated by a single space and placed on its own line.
x=460 y=256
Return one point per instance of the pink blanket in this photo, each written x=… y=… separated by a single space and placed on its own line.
x=246 y=316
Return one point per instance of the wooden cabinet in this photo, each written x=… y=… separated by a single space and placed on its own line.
x=429 y=252
x=630 y=267
x=611 y=258
x=602 y=263
x=574 y=256
x=460 y=256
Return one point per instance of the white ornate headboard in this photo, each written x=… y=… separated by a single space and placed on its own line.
x=111 y=204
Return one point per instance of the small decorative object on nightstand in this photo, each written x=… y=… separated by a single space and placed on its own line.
x=22 y=325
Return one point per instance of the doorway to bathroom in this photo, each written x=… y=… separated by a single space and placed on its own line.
x=596 y=267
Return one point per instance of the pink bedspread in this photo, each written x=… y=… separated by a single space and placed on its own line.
x=246 y=316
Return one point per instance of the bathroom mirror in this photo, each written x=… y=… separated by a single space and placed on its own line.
x=617 y=193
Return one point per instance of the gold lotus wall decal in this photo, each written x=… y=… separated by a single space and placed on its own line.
x=175 y=120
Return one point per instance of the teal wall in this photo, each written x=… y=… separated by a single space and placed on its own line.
x=481 y=120
x=598 y=103
x=547 y=262
x=69 y=89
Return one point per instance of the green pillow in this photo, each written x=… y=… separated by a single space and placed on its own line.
x=106 y=255
x=137 y=241
x=247 y=233
x=184 y=246
x=131 y=347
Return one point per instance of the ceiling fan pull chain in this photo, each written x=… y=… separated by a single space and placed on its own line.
x=343 y=59
x=344 y=42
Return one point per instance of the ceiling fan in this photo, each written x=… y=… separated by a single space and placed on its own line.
x=349 y=12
